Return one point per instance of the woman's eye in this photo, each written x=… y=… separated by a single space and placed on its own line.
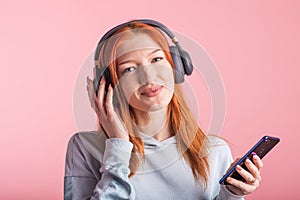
x=128 y=69
x=157 y=59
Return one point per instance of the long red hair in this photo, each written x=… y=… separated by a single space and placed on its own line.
x=191 y=140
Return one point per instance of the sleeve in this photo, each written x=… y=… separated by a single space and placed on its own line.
x=221 y=158
x=227 y=195
x=87 y=178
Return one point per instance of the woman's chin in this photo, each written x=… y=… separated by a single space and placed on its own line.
x=157 y=107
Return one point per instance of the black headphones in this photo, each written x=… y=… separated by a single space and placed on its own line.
x=181 y=59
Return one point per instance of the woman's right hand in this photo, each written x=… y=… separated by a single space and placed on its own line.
x=108 y=118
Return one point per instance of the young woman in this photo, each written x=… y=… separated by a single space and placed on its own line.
x=148 y=145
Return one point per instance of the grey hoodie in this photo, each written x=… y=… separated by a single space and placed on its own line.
x=97 y=168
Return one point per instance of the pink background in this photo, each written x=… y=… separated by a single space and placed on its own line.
x=255 y=45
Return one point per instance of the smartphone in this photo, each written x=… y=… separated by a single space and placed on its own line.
x=261 y=148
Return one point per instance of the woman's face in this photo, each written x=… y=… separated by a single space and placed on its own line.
x=145 y=75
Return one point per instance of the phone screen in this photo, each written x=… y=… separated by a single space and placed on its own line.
x=261 y=148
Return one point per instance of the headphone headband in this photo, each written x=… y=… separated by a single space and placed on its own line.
x=150 y=22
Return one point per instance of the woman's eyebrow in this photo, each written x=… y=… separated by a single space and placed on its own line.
x=152 y=52
x=125 y=61
x=132 y=60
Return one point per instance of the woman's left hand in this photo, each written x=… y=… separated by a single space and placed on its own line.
x=252 y=177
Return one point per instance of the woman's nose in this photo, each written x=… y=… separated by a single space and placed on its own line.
x=146 y=74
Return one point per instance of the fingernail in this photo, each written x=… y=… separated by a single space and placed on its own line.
x=238 y=167
x=229 y=179
x=248 y=161
x=253 y=154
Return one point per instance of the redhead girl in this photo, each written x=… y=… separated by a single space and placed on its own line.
x=148 y=145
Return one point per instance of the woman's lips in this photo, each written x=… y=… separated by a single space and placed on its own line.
x=152 y=91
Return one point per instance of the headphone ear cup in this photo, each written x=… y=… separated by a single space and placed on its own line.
x=104 y=72
x=97 y=78
x=178 y=65
x=187 y=62
x=101 y=72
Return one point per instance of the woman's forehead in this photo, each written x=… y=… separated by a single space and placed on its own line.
x=136 y=42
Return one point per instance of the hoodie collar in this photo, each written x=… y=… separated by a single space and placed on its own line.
x=150 y=142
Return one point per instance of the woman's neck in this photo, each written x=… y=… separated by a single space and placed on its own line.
x=153 y=123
